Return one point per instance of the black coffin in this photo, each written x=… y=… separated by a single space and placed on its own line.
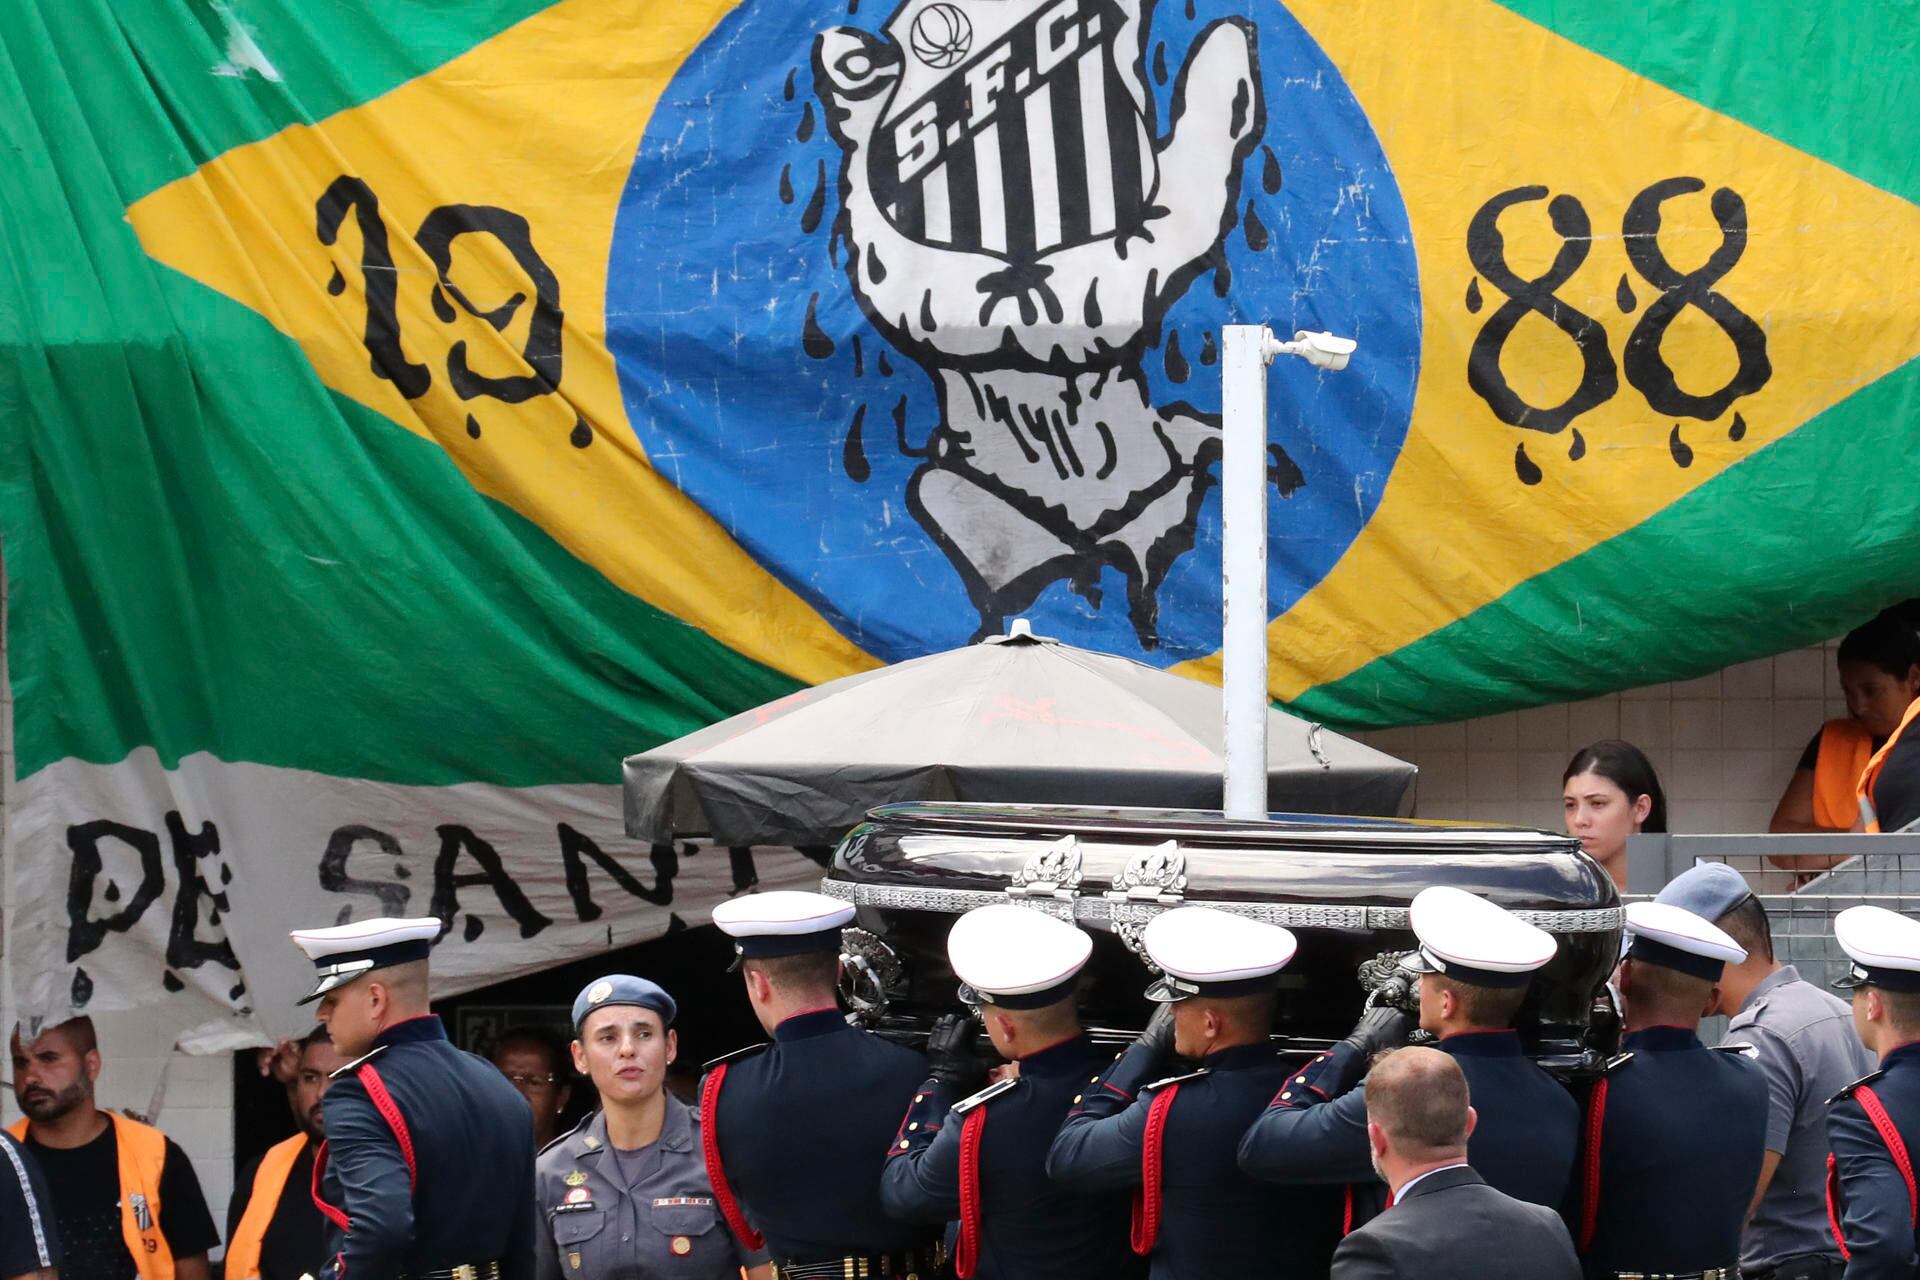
x=1341 y=884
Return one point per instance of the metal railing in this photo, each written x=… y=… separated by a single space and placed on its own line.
x=1803 y=880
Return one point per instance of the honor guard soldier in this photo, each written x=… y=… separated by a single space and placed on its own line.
x=1807 y=1049
x=1674 y=1132
x=795 y=1132
x=1172 y=1138
x=625 y=1196
x=981 y=1161
x=427 y=1168
x=1475 y=963
x=1874 y=1125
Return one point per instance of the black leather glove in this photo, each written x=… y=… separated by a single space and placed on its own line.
x=950 y=1057
x=1381 y=1027
x=1158 y=1037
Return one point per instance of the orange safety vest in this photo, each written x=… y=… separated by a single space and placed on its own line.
x=243 y=1251
x=1845 y=748
x=1863 y=793
x=143 y=1153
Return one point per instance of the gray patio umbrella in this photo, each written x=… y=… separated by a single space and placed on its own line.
x=1016 y=718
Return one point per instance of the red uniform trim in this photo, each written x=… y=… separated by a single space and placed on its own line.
x=1890 y=1134
x=1590 y=1186
x=966 y=1251
x=1346 y=1212
x=390 y=1111
x=716 y=1174
x=1146 y=1201
x=336 y=1216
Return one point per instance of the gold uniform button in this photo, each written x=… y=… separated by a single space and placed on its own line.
x=913 y=1126
x=919 y=1097
x=1286 y=1095
x=682 y=1246
x=1076 y=1097
x=903 y=1144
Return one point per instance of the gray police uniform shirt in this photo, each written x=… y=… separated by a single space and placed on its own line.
x=1809 y=1051
x=594 y=1226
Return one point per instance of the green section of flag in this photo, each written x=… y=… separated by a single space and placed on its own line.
x=1797 y=70
x=399 y=626
x=403 y=627
x=1722 y=575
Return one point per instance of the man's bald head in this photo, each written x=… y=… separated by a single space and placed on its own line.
x=1419 y=1097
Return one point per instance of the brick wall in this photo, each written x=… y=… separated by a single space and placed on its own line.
x=1724 y=746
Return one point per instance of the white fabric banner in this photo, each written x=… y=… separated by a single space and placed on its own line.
x=131 y=883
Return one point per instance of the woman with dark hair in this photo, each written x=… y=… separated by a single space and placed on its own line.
x=1880 y=674
x=1611 y=792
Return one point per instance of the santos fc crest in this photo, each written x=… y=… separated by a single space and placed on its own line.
x=959 y=277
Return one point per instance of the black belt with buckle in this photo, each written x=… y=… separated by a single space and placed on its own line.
x=908 y=1264
x=465 y=1271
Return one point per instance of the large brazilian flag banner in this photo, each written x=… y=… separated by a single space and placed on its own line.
x=409 y=409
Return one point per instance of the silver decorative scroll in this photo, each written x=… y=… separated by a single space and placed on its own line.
x=1115 y=913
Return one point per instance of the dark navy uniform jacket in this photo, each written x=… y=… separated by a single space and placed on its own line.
x=1876 y=1211
x=1217 y=1221
x=1524 y=1144
x=471 y=1198
x=1682 y=1138
x=1030 y=1225
x=804 y=1126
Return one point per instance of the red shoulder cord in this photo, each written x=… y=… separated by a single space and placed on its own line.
x=967 y=1249
x=390 y=1112
x=710 y=1149
x=1889 y=1134
x=1146 y=1201
x=1590 y=1194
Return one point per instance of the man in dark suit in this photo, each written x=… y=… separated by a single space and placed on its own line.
x=1444 y=1222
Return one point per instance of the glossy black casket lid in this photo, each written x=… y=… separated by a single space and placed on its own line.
x=1291 y=858
x=1342 y=884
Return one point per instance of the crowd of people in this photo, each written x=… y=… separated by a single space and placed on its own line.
x=1426 y=1141
x=833 y=1152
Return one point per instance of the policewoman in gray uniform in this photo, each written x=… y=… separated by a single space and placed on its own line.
x=625 y=1195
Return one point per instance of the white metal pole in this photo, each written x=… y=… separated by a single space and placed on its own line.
x=1245 y=351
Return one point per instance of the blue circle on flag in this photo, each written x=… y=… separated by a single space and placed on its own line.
x=920 y=491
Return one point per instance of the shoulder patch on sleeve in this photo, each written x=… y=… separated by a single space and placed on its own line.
x=1191 y=1075
x=353 y=1067
x=985 y=1096
x=735 y=1056
x=1739 y=1050
x=1847 y=1092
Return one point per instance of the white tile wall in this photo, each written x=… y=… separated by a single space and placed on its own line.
x=1724 y=745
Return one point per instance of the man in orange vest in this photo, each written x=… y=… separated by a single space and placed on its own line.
x=125 y=1198
x=274 y=1230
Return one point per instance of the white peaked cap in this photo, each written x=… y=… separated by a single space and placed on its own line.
x=1017 y=957
x=1206 y=951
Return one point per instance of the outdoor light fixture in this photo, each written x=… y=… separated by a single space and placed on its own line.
x=1321 y=350
x=1246 y=351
